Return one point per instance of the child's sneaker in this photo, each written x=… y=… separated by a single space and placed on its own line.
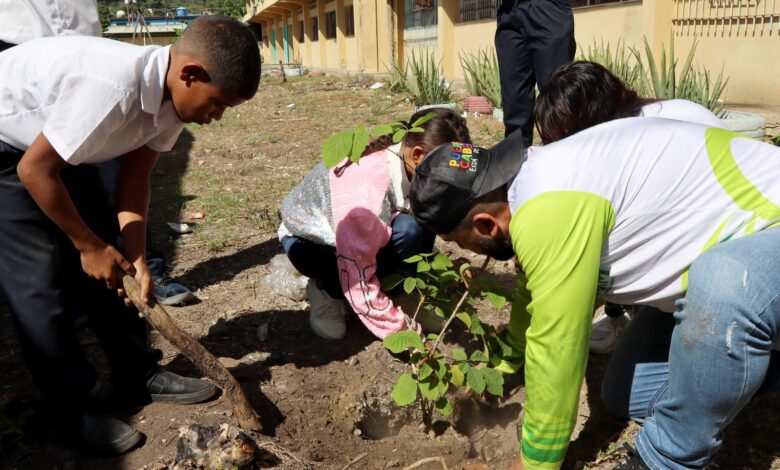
x=327 y=316
x=606 y=332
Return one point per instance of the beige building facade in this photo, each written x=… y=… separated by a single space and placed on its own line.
x=741 y=36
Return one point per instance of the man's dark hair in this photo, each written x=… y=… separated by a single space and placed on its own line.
x=580 y=95
x=228 y=51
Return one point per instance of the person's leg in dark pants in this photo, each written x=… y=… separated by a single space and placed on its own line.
x=515 y=65
x=533 y=38
x=409 y=238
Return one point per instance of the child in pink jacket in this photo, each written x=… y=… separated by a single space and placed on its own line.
x=347 y=227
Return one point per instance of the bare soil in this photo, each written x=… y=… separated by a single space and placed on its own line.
x=325 y=404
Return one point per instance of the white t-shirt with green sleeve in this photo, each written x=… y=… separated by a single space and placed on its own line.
x=620 y=210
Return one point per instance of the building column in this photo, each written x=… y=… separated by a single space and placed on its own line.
x=321 y=29
x=366 y=27
x=341 y=41
x=384 y=32
x=448 y=14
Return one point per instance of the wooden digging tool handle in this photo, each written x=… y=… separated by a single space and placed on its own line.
x=203 y=360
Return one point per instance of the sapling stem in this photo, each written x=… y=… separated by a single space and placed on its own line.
x=449 y=320
x=419 y=306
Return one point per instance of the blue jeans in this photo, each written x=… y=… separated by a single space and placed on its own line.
x=719 y=350
x=318 y=261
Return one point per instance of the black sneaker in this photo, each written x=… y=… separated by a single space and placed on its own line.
x=167 y=387
x=633 y=462
x=102 y=434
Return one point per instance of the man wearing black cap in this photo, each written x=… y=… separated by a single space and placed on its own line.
x=669 y=214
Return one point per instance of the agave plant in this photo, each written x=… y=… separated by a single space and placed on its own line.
x=690 y=83
x=396 y=79
x=621 y=62
x=480 y=71
x=427 y=84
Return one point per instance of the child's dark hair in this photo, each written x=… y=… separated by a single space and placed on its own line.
x=228 y=51
x=445 y=126
x=580 y=95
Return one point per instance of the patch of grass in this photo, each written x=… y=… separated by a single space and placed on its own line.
x=273 y=138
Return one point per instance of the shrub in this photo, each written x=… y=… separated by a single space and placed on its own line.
x=427 y=84
x=480 y=71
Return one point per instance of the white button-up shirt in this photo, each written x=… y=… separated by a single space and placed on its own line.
x=94 y=99
x=22 y=20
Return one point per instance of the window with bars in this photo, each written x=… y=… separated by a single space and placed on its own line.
x=330 y=25
x=726 y=17
x=301 y=35
x=475 y=10
x=590 y=3
x=349 y=27
x=315 y=29
x=420 y=13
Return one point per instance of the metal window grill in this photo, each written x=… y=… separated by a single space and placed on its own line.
x=420 y=13
x=475 y=10
x=726 y=17
x=593 y=3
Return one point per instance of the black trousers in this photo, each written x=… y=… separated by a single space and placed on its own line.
x=42 y=278
x=533 y=38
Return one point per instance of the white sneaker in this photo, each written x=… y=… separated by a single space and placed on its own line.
x=327 y=316
x=606 y=332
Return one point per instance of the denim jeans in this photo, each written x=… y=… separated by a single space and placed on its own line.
x=319 y=261
x=720 y=354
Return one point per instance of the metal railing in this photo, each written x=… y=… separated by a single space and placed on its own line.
x=475 y=10
x=726 y=17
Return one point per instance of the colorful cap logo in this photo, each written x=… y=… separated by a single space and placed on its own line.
x=464 y=156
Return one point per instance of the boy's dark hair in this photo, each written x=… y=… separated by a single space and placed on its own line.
x=580 y=95
x=445 y=126
x=228 y=51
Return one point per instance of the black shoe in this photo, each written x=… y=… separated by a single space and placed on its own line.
x=102 y=434
x=167 y=387
x=633 y=462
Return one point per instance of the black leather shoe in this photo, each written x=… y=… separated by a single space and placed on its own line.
x=102 y=434
x=167 y=387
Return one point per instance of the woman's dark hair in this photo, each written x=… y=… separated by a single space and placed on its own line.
x=580 y=95
x=445 y=126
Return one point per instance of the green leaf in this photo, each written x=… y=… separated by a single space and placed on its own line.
x=458 y=378
x=359 y=143
x=438 y=311
x=498 y=301
x=423 y=267
x=409 y=284
x=420 y=283
x=413 y=259
x=416 y=130
x=405 y=390
x=381 y=130
x=391 y=281
x=428 y=389
x=459 y=354
x=478 y=356
x=432 y=336
x=402 y=341
x=441 y=262
x=423 y=119
x=476 y=325
x=475 y=380
x=336 y=148
x=465 y=318
x=441 y=368
x=464 y=267
x=399 y=135
x=425 y=371
x=494 y=381
x=444 y=406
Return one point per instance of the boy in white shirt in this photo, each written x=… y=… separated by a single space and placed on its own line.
x=71 y=100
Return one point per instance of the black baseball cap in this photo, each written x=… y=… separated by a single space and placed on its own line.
x=453 y=175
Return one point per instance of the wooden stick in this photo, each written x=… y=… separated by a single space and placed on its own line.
x=203 y=360
x=422 y=462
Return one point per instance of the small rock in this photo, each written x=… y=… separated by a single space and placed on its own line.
x=291 y=106
x=163 y=440
x=160 y=466
x=353 y=360
x=432 y=434
x=393 y=463
x=229 y=414
x=262 y=333
x=357 y=432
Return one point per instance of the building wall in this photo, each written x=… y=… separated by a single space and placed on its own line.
x=379 y=39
